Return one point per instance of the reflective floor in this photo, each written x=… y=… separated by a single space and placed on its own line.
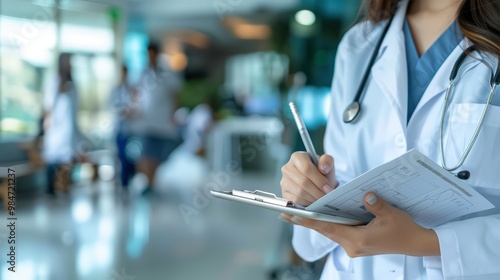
x=97 y=232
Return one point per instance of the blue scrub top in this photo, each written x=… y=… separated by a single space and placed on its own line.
x=422 y=69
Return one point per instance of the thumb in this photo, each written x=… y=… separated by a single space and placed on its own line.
x=377 y=205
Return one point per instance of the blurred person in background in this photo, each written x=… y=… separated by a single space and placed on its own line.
x=122 y=104
x=61 y=133
x=157 y=92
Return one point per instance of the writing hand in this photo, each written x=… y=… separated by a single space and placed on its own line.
x=303 y=182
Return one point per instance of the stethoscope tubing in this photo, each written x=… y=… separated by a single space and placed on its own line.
x=351 y=113
x=494 y=83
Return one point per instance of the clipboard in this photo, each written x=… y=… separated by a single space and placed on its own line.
x=272 y=202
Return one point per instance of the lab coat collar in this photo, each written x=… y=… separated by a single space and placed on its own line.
x=395 y=31
x=390 y=71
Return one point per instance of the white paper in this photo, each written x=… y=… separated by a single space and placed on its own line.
x=411 y=182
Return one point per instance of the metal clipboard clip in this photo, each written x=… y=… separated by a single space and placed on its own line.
x=265 y=197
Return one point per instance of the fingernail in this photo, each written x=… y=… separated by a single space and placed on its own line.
x=327 y=188
x=372 y=199
x=295 y=221
x=325 y=168
x=282 y=218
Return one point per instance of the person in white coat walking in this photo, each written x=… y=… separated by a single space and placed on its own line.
x=415 y=46
x=63 y=141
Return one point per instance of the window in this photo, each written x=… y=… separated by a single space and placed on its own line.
x=27 y=42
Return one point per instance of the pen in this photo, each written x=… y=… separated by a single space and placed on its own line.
x=306 y=139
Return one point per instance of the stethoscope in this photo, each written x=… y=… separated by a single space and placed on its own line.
x=352 y=111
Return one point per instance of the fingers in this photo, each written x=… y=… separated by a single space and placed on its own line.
x=336 y=232
x=325 y=164
x=304 y=165
x=302 y=182
x=285 y=217
x=298 y=188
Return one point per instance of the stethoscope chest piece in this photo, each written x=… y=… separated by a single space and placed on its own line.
x=464 y=175
x=351 y=112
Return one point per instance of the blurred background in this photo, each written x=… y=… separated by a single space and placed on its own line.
x=119 y=116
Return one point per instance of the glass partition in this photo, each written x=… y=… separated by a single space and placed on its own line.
x=27 y=48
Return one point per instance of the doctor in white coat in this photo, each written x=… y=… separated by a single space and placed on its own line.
x=393 y=246
x=63 y=141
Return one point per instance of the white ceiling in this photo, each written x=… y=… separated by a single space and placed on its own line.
x=191 y=8
x=151 y=10
x=157 y=7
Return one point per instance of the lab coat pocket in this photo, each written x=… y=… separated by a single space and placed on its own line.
x=483 y=161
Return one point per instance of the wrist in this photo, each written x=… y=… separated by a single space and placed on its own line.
x=433 y=241
x=426 y=243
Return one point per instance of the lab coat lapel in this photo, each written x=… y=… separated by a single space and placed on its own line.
x=390 y=72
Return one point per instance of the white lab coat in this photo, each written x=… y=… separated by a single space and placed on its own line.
x=63 y=140
x=470 y=247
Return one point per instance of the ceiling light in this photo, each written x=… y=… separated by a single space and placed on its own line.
x=252 y=31
x=305 y=17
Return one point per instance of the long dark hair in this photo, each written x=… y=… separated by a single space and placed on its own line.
x=64 y=71
x=479 y=20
